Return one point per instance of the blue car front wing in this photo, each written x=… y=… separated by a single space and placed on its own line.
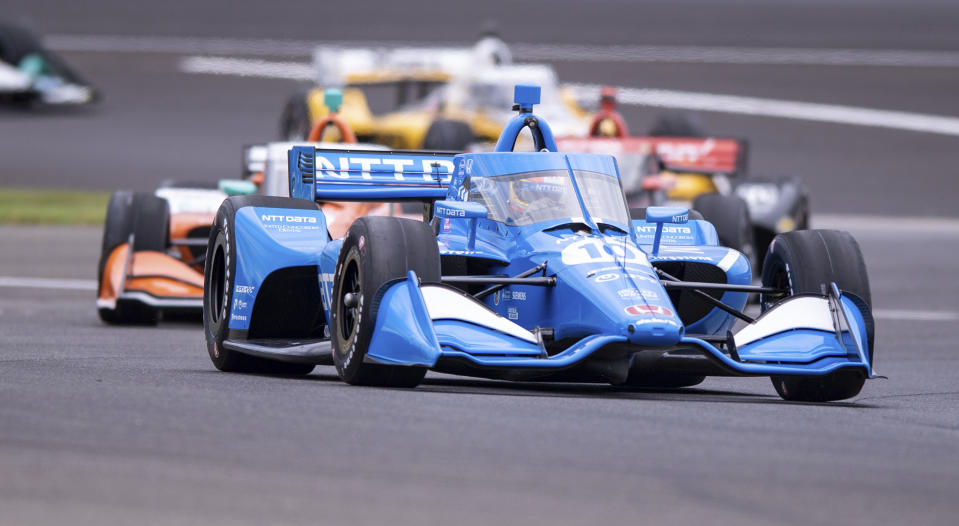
x=418 y=325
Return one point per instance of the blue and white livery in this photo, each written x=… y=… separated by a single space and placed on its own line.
x=530 y=267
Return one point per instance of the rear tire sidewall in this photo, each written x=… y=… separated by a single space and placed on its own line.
x=295 y=124
x=152 y=222
x=449 y=135
x=730 y=215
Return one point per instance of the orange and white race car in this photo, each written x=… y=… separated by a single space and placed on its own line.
x=151 y=259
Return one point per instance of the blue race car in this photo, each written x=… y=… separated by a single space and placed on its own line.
x=527 y=266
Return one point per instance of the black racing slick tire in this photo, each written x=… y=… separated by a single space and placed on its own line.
x=116 y=228
x=295 y=122
x=448 y=135
x=806 y=261
x=147 y=217
x=151 y=226
x=218 y=286
x=730 y=215
x=375 y=251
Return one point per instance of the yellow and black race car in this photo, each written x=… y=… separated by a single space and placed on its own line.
x=432 y=98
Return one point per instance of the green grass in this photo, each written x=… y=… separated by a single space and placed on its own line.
x=23 y=206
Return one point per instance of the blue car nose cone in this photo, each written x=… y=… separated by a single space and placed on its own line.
x=655 y=331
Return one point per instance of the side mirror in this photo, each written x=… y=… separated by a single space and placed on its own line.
x=237 y=187
x=661 y=215
x=462 y=210
x=667 y=214
x=459 y=210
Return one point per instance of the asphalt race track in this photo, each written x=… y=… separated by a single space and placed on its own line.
x=108 y=425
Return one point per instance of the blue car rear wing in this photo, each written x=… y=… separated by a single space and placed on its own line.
x=317 y=174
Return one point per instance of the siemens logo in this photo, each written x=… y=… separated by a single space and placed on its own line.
x=274 y=218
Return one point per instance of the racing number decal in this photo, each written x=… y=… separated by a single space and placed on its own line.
x=595 y=251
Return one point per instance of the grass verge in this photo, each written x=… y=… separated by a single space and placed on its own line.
x=22 y=206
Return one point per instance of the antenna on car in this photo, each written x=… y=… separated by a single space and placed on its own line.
x=525 y=97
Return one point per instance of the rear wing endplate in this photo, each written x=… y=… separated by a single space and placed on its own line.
x=351 y=175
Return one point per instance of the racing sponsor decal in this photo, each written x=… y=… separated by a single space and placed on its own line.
x=512 y=313
x=331 y=165
x=603 y=269
x=642 y=277
x=449 y=212
x=611 y=276
x=683 y=258
x=516 y=295
x=593 y=250
x=651 y=229
x=289 y=223
x=286 y=218
x=647 y=310
x=685 y=151
x=637 y=294
x=244 y=289
x=676 y=235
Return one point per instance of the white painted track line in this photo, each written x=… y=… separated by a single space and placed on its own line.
x=247 y=68
x=90 y=284
x=786 y=109
x=734 y=104
x=808 y=111
x=888 y=224
x=48 y=283
x=522 y=51
x=915 y=315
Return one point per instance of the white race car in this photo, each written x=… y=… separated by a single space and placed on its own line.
x=31 y=75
